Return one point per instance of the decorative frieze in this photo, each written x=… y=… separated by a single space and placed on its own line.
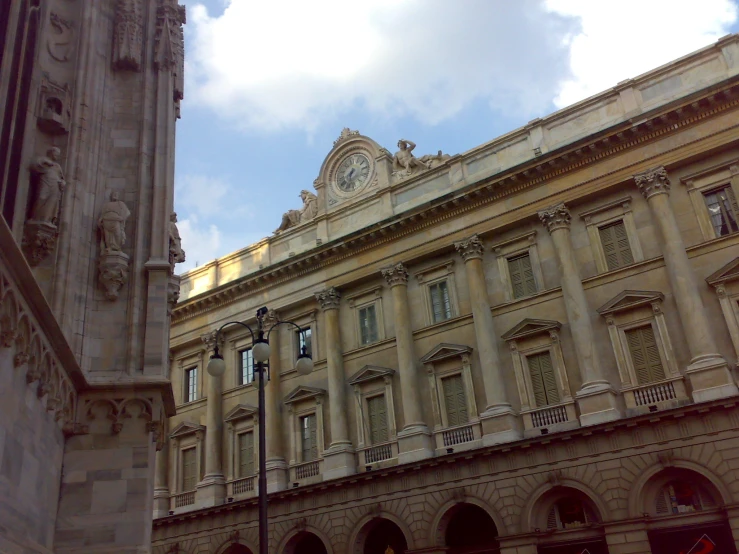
x=395 y=275
x=556 y=217
x=329 y=299
x=653 y=181
x=128 y=42
x=470 y=248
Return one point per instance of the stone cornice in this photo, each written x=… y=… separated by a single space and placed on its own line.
x=663 y=121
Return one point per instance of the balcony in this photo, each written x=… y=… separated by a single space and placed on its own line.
x=459 y=437
x=655 y=396
x=307 y=472
x=242 y=487
x=184 y=499
x=549 y=419
x=379 y=455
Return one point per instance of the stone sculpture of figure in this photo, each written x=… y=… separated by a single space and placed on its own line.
x=51 y=184
x=309 y=210
x=112 y=225
x=434 y=160
x=404 y=158
x=176 y=253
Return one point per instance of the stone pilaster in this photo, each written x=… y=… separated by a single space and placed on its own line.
x=414 y=441
x=499 y=422
x=708 y=372
x=596 y=398
x=161 y=484
x=338 y=460
x=276 y=464
x=211 y=491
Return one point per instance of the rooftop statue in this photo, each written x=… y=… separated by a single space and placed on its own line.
x=309 y=210
x=406 y=164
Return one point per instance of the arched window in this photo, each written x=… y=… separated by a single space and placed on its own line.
x=470 y=529
x=570 y=512
x=681 y=496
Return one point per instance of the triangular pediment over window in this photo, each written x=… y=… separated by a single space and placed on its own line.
x=369 y=373
x=303 y=393
x=529 y=327
x=730 y=272
x=186 y=428
x=444 y=351
x=630 y=299
x=241 y=411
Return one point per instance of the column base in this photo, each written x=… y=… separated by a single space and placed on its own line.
x=277 y=475
x=500 y=424
x=415 y=443
x=339 y=461
x=161 y=502
x=598 y=403
x=710 y=378
x=211 y=491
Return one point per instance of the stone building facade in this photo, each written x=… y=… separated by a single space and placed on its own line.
x=528 y=347
x=89 y=97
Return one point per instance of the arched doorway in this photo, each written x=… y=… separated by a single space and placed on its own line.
x=237 y=549
x=383 y=536
x=307 y=543
x=470 y=530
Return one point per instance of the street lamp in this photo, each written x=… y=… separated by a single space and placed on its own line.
x=261 y=351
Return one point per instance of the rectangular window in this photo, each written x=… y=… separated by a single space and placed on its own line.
x=522 y=276
x=189 y=469
x=455 y=400
x=543 y=380
x=246 y=454
x=616 y=245
x=309 y=437
x=191 y=384
x=377 y=415
x=723 y=209
x=246 y=373
x=645 y=355
x=368 y=324
x=305 y=339
x=441 y=307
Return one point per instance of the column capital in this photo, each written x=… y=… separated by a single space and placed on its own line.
x=471 y=248
x=653 y=181
x=329 y=299
x=556 y=217
x=395 y=275
x=209 y=340
x=271 y=318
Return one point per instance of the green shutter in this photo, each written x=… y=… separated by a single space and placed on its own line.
x=368 y=324
x=455 y=400
x=616 y=245
x=377 y=412
x=309 y=434
x=543 y=380
x=246 y=454
x=645 y=355
x=523 y=282
x=189 y=469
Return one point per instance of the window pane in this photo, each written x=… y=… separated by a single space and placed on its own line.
x=722 y=208
x=308 y=438
x=441 y=308
x=191 y=384
x=246 y=375
x=305 y=339
x=368 y=325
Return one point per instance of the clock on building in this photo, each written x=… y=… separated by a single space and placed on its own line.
x=353 y=172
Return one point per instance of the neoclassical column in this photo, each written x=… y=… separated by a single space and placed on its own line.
x=211 y=491
x=339 y=458
x=276 y=464
x=161 y=480
x=596 y=397
x=414 y=441
x=499 y=421
x=708 y=371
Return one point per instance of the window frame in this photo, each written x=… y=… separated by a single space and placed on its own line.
x=699 y=183
x=306 y=320
x=298 y=340
x=431 y=276
x=243 y=418
x=607 y=214
x=190 y=383
x=514 y=247
x=240 y=373
x=303 y=401
x=361 y=300
x=185 y=436
x=239 y=460
x=713 y=190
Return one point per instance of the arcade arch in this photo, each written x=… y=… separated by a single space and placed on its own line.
x=467 y=527
x=305 y=542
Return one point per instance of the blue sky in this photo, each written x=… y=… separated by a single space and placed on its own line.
x=270 y=84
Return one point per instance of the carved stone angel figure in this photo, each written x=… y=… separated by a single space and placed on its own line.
x=176 y=253
x=51 y=184
x=112 y=225
x=309 y=210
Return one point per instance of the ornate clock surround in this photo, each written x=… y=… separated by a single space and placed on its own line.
x=353 y=148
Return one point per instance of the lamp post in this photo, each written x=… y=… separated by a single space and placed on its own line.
x=261 y=352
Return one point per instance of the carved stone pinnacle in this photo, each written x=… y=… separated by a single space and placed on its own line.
x=556 y=217
x=653 y=181
x=395 y=275
x=471 y=248
x=329 y=299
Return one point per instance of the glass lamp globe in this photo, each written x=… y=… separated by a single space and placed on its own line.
x=216 y=366
x=304 y=365
x=261 y=351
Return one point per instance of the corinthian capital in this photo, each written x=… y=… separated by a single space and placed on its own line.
x=329 y=299
x=471 y=248
x=395 y=275
x=653 y=181
x=209 y=340
x=556 y=217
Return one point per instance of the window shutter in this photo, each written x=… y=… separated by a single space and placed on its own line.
x=616 y=245
x=246 y=454
x=377 y=408
x=455 y=400
x=189 y=479
x=313 y=438
x=523 y=282
x=645 y=355
x=441 y=307
x=309 y=438
x=543 y=380
x=368 y=324
x=552 y=518
x=661 y=506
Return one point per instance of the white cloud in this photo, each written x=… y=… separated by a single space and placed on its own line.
x=291 y=63
x=620 y=40
x=201 y=242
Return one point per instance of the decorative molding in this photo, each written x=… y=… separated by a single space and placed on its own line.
x=329 y=299
x=471 y=248
x=346 y=133
x=169 y=45
x=653 y=181
x=128 y=35
x=113 y=273
x=395 y=275
x=39 y=240
x=60 y=43
x=556 y=217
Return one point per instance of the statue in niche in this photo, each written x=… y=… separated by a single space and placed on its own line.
x=51 y=184
x=309 y=210
x=176 y=253
x=112 y=225
x=405 y=163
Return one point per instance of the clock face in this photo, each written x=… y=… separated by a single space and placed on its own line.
x=353 y=172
